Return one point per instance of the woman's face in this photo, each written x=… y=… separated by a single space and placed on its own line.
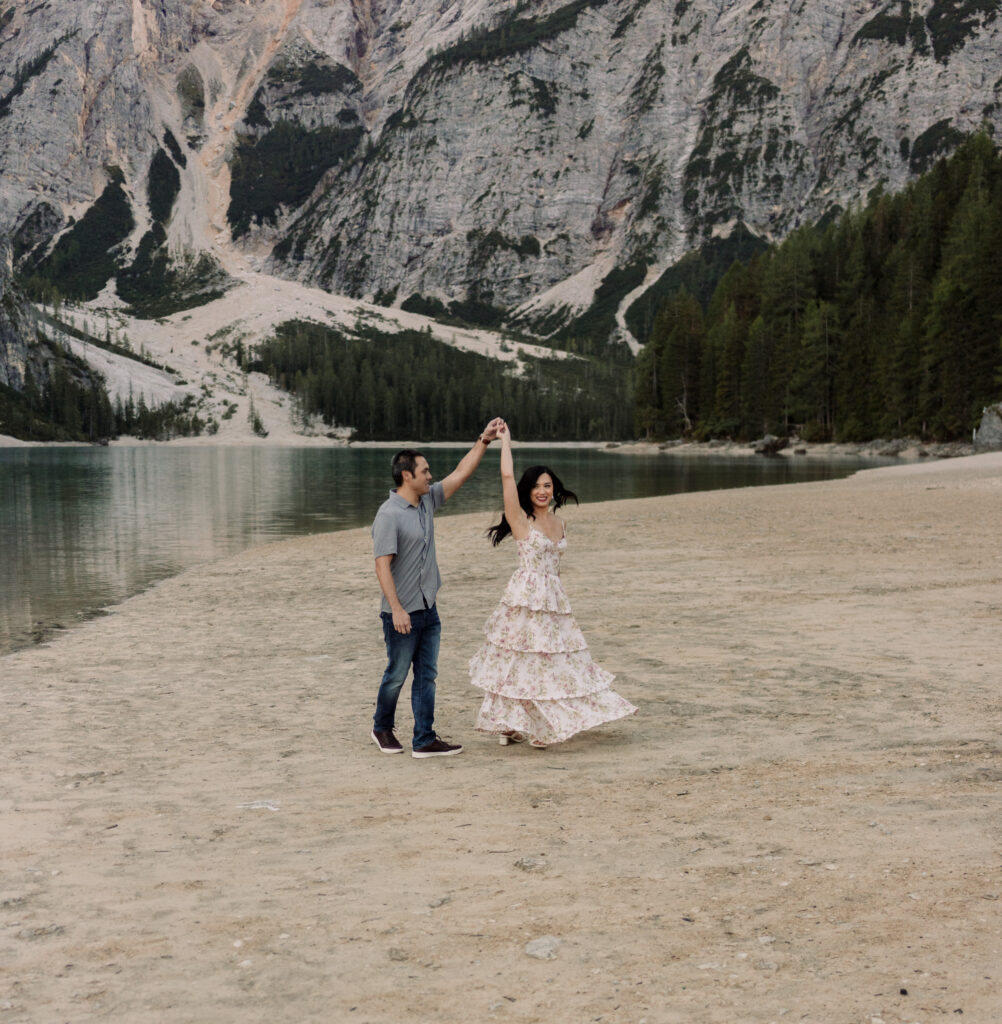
x=542 y=492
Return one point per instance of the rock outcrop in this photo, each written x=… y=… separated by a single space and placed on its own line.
x=770 y=445
x=16 y=330
x=989 y=432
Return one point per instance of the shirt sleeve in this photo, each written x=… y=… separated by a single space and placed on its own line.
x=384 y=535
x=437 y=494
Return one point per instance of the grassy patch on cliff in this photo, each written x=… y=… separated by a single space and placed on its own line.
x=281 y=168
x=513 y=36
x=83 y=260
x=952 y=23
x=23 y=73
x=157 y=285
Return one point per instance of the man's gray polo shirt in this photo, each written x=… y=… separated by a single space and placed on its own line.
x=407 y=532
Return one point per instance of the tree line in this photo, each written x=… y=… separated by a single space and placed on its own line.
x=883 y=322
x=409 y=384
x=71 y=403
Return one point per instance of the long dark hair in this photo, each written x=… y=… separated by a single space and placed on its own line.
x=526 y=482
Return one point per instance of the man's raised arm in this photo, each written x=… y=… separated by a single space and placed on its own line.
x=469 y=462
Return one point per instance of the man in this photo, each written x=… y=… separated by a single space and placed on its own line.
x=403 y=537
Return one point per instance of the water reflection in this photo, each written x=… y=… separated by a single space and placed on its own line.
x=83 y=528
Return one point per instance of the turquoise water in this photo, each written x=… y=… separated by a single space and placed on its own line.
x=84 y=528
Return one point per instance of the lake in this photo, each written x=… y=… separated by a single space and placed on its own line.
x=83 y=528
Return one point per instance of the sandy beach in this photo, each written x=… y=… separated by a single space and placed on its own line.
x=802 y=823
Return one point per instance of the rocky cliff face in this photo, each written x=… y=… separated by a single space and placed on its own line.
x=25 y=354
x=501 y=155
x=16 y=331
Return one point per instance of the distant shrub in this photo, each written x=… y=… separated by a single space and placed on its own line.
x=645 y=88
x=477 y=312
x=175 y=149
x=627 y=20
x=541 y=96
x=319 y=79
x=936 y=141
x=473 y=311
x=191 y=93
x=256 y=423
x=425 y=306
x=484 y=244
x=257 y=115
x=37 y=229
x=736 y=85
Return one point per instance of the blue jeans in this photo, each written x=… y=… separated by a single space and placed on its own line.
x=420 y=649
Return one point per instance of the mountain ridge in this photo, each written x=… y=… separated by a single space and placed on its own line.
x=509 y=157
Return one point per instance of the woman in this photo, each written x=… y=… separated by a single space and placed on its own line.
x=540 y=681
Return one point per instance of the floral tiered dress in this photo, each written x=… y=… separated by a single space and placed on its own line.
x=535 y=666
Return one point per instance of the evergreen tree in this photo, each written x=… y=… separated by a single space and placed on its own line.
x=757 y=411
x=962 y=328
x=854 y=383
x=680 y=362
x=812 y=387
x=787 y=288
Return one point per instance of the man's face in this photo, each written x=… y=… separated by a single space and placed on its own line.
x=422 y=475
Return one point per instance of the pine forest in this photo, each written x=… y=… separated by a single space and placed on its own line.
x=883 y=323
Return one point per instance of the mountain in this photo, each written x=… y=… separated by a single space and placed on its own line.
x=492 y=159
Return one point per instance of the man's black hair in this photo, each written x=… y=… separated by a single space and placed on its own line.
x=404 y=461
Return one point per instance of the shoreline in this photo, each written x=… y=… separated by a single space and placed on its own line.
x=904 y=448
x=798 y=821
x=52 y=629
x=44 y=630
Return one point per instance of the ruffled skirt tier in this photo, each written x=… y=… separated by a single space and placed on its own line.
x=536 y=669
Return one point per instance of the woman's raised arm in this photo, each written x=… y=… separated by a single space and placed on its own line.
x=513 y=512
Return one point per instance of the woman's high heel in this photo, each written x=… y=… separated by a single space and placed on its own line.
x=510 y=737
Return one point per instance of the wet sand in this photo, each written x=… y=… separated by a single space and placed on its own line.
x=801 y=823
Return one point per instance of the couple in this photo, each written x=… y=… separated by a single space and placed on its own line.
x=541 y=684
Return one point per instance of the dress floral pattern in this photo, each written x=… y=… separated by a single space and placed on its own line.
x=535 y=665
